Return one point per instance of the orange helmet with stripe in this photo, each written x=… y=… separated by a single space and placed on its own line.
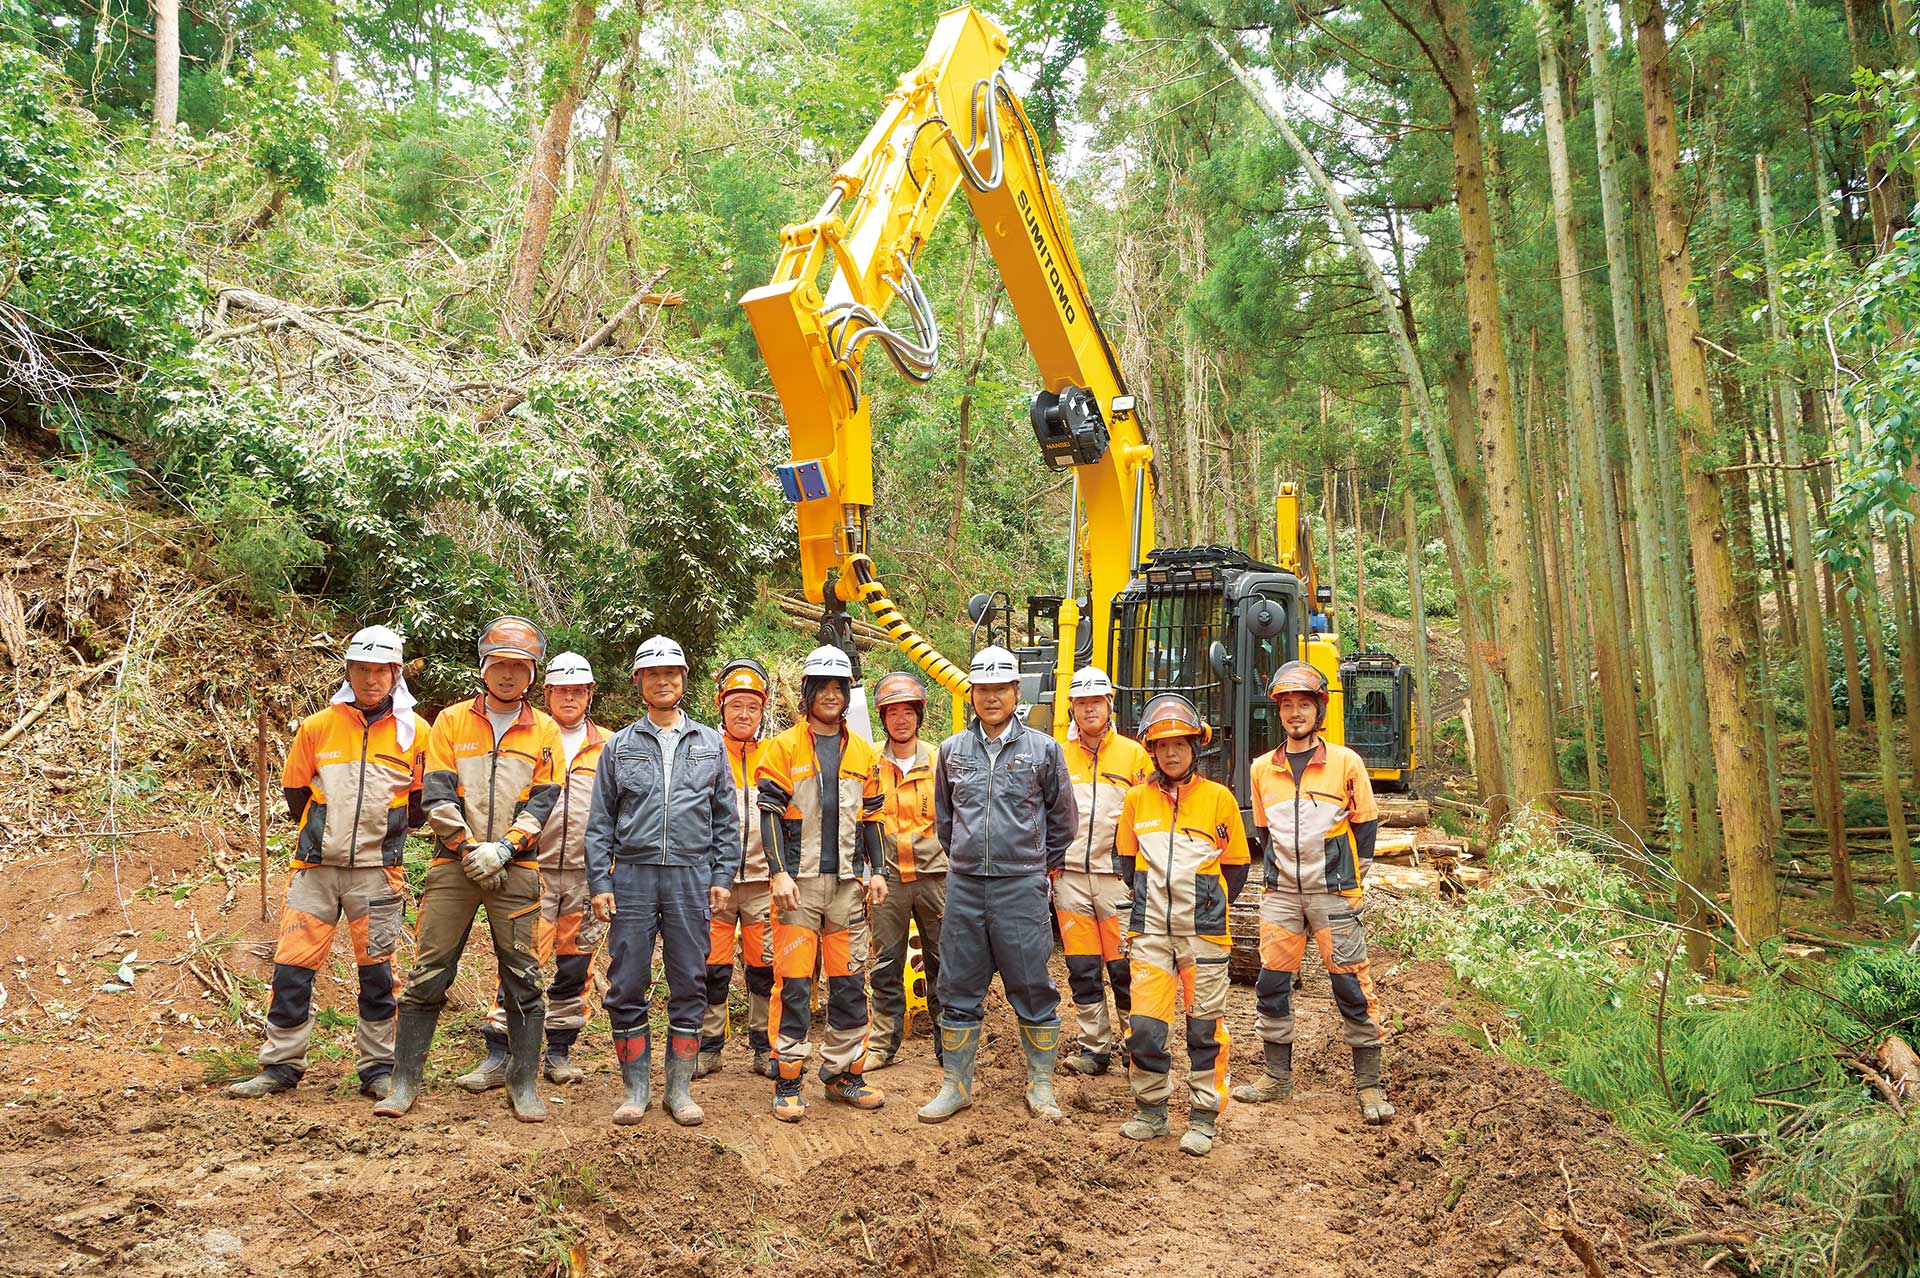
x=1171 y=715
x=1299 y=676
x=743 y=674
x=900 y=688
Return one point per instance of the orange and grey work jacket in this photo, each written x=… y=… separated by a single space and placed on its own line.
x=744 y=756
x=1180 y=845
x=1316 y=830
x=563 y=839
x=1101 y=779
x=913 y=849
x=351 y=786
x=796 y=814
x=477 y=791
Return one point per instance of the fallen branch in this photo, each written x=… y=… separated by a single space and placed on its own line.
x=1703 y=1238
x=57 y=693
x=591 y=343
x=334 y=337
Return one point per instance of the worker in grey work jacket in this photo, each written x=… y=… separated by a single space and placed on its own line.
x=1004 y=810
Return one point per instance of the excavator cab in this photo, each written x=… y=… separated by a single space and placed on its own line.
x=1213 y=625
x=1379 y=716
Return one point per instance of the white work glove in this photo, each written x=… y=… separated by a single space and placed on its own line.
x=486 y=863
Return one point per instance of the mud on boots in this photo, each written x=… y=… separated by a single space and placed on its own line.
x=661 y=853
x=525 y=1032
x=352 y=780
x=413 y=1036
x=742 y=690
x=492 y=781
x=1004 y=810
x=818 y=787
x=1180 y=835
x=1040 y=1044
x=1092 y=898
x=1316 y=819
x=916 y=870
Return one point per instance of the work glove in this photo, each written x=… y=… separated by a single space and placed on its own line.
x=486 y=864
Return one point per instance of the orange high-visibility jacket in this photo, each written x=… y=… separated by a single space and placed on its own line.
x=745 y=757
x=1101 y=780
x=358 y=781
x=1319 y=831
x=788 y=783
x=913 y=849
x=563 y=838
x=476 y=792
x=1176 y=843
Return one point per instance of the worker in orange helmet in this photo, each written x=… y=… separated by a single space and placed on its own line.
x=1181 y=835
x=1091 y=896
x=1315 y=817
x=742 y=689
x=916 y=868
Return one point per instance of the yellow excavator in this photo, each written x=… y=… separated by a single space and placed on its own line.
x=1209 y=622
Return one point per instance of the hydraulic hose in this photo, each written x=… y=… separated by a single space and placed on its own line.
x=887 y=615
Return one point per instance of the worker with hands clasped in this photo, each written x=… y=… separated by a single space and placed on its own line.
x=1314 y=813
x=492 y=779
x=564 y=934
x=819 y=794
x=743 y=689
x=1182 y=836
x=916 y=867
x=1004 y=810
x=662 y=852
x=352 y=780
x=1091 y=898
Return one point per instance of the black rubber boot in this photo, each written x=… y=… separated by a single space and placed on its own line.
x=557 y=1066
x=635 y=1053
x=525 y=1033
x=490 y=1073
x=412 y=1036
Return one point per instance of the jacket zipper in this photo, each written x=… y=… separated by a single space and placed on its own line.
x=1093 y=807
x=746 y=811
x=353 y=839
x=1173 y=826
x=986 y=856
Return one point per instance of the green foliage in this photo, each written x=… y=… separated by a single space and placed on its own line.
x=1881 y=988
x=254 y=541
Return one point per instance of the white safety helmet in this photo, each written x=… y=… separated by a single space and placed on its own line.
x=569 y=670
x=1089 y=681
x=827 y=662
x=994 y=664
x=657 y=653
x=376 y=644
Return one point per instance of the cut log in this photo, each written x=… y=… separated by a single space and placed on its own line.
x=1901 y=1064
x=1405 y=814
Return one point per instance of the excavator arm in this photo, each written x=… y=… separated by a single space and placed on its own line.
x=952 y=123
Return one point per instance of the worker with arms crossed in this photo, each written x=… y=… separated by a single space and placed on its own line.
x=1315 y=816
x=743 y=688
x=1182 y=836
x=1091 y=898
x=819 y=793
x=492 y=779
x=564 y=934
x=352 y=781
x=916 y=867
x=662 y=853
x=1003 y=809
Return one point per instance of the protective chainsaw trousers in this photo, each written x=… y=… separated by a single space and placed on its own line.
x=1337 y=926
x=372 y=899
x=1169 y=972
x=921 y=900
x=828 y=931
x=1092 y=910
x=749 y=917
x=448 y=903
x=565 y=935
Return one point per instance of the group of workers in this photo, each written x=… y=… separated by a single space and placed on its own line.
x=812 y=851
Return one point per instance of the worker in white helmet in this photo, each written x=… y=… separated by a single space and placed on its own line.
x=564 y=934
x=352 y=780
x=1004 y=810
x=663 y=848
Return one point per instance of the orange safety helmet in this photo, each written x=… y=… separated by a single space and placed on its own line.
x=1299 y=676
x=1171 y=715
x=512 y=637
x=900 y=688
x=743 y=674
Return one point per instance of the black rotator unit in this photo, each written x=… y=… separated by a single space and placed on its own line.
x=1069 y=427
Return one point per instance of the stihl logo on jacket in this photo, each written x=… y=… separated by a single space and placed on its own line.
x=1176 y=841
x=563 y=839
x=1101 y=779
x=789 y=783
x=359 y=778
x=1310 y=822
x=914 y=849
x=477 y=791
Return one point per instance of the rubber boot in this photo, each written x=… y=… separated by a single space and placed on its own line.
x=707 y=1062
x=959 y=1045
x=1366 y=1081
x=1278 y=1083
x=1089 y=1064
x=683 y=1057
x=852 y=1089
x=1149 y=1122
x=635 y=1054
x=763 y=1063
x=266 y=1083
x=490 y=1073
x=377 y=1087
x=525 y=1033
x=1041 y=1043
x=1200 y=1129
x=412 y=1036
x=558 y=1068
